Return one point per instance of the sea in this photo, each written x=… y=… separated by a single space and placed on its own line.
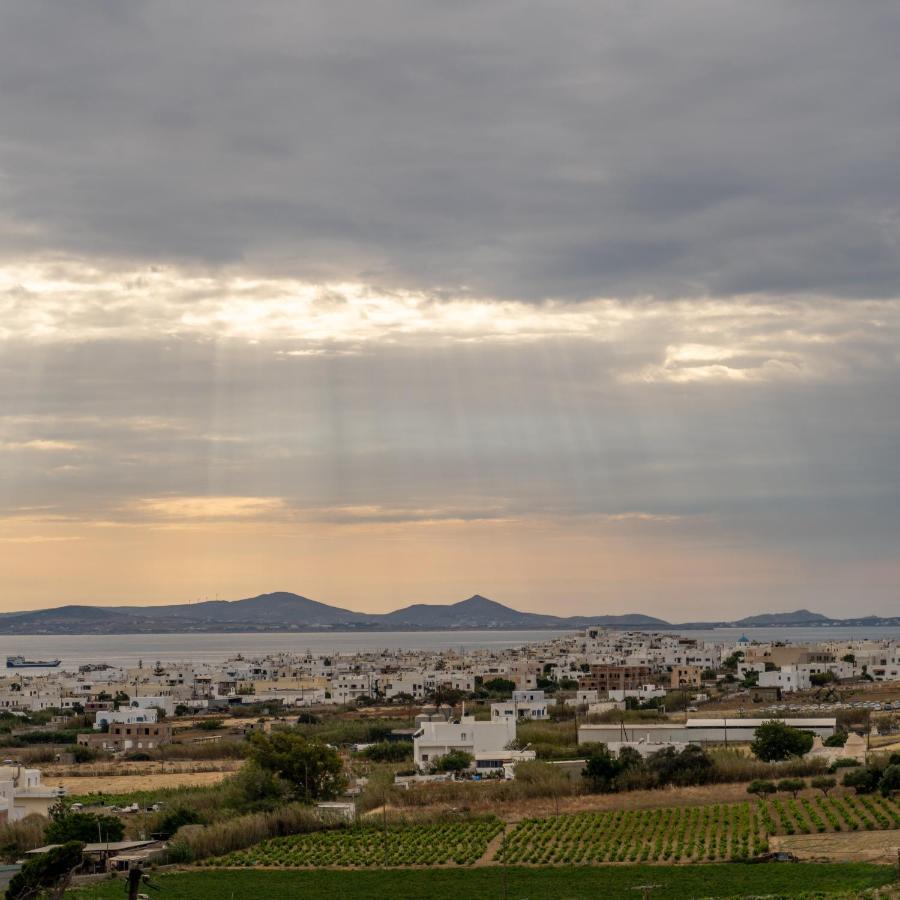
x=132 y=649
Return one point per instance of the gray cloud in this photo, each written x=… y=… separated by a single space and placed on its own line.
x=341 y=267
x=570 y=150
x=467 y=432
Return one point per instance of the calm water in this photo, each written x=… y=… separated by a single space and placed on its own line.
x=128 y=649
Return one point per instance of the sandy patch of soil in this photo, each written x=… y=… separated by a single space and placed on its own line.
x=123 y=784
x=861 y=846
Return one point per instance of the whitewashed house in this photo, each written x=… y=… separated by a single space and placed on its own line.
x=523 y=705
x=487 y=742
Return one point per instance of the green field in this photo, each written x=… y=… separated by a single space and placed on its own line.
x=491 y=883
x=690 y=834
x=144 y=798
x=714 y=833
x=460 y=843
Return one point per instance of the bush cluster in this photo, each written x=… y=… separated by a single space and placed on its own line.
x=629 y=771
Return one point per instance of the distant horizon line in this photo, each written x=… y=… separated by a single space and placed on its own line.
x=124 y=606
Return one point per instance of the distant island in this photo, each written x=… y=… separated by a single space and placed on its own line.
x=284 y=611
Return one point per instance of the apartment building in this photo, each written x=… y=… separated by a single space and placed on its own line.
x=124 y=738
x=686 y=677
x=605 y=678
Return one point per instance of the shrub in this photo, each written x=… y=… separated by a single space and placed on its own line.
x=690 y=766
x=838 y=739
x=863 y=780
x=502 y=686
x=823 y=783
x=389 y=751
x=252 y=788
x=85 y=827
x=890 y=780
x=731 y=765
x=194 y=842
x=776 y=741
x=17 y=838
x=210 y=724
x=23 y=739
x=791 y=786
x=173 y=819
x=601 y=769
x=454 y=761
x=84 y=754
x=761 y=788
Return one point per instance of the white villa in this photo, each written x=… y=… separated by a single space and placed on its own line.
x=487 y=742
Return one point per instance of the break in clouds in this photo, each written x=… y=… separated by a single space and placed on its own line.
x=594 y=304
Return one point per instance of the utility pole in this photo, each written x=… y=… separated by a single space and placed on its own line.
x=135 y=876
x=384 y=822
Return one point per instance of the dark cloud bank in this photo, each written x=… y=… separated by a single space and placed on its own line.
x=571 y=149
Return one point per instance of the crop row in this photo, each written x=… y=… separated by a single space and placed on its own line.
x=699 y=833
x=666 y=835
x=461 y=843
x=689 y=834
x=821 y=814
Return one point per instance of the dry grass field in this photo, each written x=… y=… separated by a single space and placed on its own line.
x=856 y=846
x=124 y=784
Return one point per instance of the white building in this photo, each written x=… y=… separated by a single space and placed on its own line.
x=643 y=693
x=788 y=678
x=482 y=740
x=125 y=715
x=411 y=683
x=22 y=792
x=165 y=703
x=524 y=705
x=350 y=688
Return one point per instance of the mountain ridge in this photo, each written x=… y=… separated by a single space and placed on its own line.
x=286 y=611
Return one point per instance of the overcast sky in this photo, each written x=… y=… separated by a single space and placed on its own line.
x=589 y=307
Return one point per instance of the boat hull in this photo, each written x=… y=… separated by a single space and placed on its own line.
x=16 y=663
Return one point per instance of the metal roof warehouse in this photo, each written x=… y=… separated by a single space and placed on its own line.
x=697 y=731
